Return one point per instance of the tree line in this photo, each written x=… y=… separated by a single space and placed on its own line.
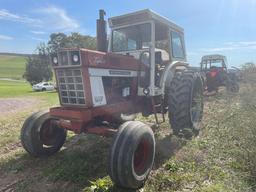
x=38 y=66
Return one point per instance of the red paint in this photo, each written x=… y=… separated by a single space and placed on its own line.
x=213 y=73
x=81 y=116
x=141 y=156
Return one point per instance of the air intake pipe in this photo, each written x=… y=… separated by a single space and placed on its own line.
x=101 y=32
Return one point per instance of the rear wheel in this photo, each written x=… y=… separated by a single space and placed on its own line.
x=185 y=103
x=43 y=89
x=132 y=155
x=40 y=137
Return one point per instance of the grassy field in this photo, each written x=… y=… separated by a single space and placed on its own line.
x=12 y=66
x=221 y=159
x=12 y=89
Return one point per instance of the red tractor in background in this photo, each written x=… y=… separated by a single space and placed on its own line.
x=215 y=74
x=144 y=71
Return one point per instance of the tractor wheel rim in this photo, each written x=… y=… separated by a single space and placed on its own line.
x=141 y=157
x=48 y=133
x=196 y=105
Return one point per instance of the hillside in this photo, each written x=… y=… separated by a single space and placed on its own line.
x=12 y=66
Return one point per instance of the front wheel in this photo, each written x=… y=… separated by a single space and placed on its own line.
x=131 y=155
x=232 y=86
x=185 y=103
x=40 y=137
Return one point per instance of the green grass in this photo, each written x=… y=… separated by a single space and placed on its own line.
x=10 y=89
x=14 y=88
x=221 y=159
x=12 y=66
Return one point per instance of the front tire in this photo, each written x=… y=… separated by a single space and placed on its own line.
x=185 y=103
x=232 y=84
x=40 y=137
x=131 y=155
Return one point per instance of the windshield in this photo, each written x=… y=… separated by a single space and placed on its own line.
x=207 y=64
x=131 y=38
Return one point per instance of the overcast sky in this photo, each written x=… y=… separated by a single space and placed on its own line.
x=211 y=26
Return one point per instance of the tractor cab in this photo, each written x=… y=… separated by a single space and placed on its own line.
x=211 y=62
x=215 y=73
x=152 y=39
x=214 y=68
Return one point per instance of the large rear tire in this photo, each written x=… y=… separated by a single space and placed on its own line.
x=185 y=103
x=131 y=155
x=40 y=137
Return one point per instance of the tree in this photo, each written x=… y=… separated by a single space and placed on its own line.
x=60 y=40
x=81 y=41
x=249 y=67
x=57 y=41
x=38 y=67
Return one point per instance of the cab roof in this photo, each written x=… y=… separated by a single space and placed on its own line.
x=141 y=16
x=214 y=57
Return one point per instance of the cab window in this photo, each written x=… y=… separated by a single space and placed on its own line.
x=177 y=47
x=131 y=44
x=131 y=38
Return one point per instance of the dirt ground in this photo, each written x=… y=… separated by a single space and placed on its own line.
x=14 y=105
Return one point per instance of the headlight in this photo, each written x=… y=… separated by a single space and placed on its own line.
x=75 y=58
x=55 y=60
x=145 y=58
x=146 y=91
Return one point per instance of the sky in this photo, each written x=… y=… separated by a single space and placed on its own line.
x=211 y=26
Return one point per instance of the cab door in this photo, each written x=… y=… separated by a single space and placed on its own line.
x=177 y=46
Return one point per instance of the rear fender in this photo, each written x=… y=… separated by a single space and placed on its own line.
x=169 y=72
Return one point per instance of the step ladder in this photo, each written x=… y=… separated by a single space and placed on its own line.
x=156 y=107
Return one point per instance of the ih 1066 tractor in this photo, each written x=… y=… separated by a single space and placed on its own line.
x=143 y=71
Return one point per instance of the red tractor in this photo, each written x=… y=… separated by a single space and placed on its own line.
x=215 y=74
x=144 y=71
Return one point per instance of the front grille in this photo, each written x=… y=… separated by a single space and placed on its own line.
x=71 y=88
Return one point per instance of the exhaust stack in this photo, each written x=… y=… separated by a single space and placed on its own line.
x=101 y=32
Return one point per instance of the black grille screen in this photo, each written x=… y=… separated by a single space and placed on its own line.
x=64 y=58
x=71 y=86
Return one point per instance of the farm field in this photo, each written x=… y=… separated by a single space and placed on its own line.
x=123 y=96
x=10 y=88
x=12 y=66
x=221 y=158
